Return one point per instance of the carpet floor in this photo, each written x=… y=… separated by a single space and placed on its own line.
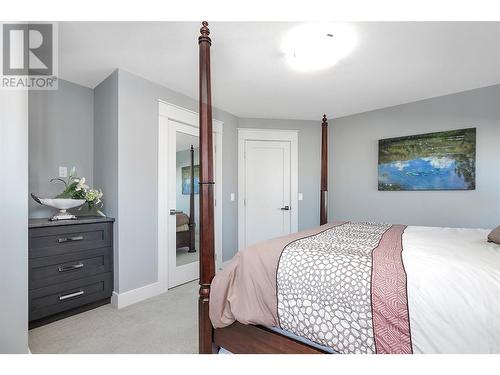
x=183 y=257
x=167 y=323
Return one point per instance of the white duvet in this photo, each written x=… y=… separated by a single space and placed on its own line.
x=453 y=290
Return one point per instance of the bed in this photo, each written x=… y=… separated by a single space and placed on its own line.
x=439 y=295
x=184 y=230
x=344 y=287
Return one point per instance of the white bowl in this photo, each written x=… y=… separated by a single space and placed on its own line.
x=62 y=204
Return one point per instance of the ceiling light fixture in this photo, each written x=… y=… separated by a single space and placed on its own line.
x=316 y=46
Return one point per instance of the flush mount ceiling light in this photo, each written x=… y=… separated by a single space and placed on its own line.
x=316 y=46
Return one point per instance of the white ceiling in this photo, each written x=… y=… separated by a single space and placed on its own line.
x=393 y=63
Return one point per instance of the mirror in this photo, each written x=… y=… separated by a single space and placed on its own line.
x=187 y=199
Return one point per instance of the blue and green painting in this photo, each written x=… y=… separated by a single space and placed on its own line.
x=435 y=161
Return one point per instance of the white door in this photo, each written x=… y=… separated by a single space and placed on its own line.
x=267 y=200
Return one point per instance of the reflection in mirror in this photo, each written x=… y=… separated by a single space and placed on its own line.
x=187 y=199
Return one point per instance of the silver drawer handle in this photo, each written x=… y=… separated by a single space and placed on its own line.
x=70 y=239
x=71 y=295
x=69 y=268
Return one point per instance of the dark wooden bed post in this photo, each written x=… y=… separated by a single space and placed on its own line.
x=237 y=338
x=191 y=223
x=207 y=258
x=323 y=204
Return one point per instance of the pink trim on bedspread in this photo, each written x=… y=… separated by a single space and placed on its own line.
x=391 y=325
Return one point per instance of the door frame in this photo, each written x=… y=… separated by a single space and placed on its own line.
x=251 y=134
x=168 y=111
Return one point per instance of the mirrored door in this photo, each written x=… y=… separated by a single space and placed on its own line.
x=184 y=229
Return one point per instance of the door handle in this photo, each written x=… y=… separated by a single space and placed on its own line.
x=286 y=208
x=173 y=211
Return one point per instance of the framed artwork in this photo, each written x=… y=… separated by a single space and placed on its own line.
x=434 y=161
x=186 y=180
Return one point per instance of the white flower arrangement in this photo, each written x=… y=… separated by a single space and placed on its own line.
x=76 y=188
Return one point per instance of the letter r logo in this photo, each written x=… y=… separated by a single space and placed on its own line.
x=27 y=49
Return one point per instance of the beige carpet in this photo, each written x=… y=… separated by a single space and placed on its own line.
x=163 y=324
x=182 y=255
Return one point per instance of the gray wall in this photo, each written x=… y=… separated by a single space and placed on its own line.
x=309 y=149
x=105 y=152
x=61 y=128
x=138 y=177
x=122 y=158
x=119 y=154
x=353 y=161
x=14 y=221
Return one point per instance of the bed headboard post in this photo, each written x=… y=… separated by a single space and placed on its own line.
x=207 y=258
x=323 y=208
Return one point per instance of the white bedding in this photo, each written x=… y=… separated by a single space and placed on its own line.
x=453 y=290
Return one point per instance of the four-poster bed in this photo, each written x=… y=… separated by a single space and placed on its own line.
x=207 y=233
x=342 y=287
x=237 y=338
x=323 y=204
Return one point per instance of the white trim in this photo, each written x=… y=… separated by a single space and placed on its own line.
x=171 y=111
x=225 y=263
x=268 y=134
x=162 y=203
x=185 y=116
x=121 y=300
x=291 y=136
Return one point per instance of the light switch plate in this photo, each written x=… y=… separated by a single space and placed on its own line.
x=63 y=172
x=301 y=196
x=232 y=196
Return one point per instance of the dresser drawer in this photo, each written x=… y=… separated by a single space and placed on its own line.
x=72 y=266
x=68 y=238
x=66 y=296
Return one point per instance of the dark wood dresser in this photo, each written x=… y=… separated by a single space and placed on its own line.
x=70 y=267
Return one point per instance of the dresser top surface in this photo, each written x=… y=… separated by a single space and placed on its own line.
x=45 y=222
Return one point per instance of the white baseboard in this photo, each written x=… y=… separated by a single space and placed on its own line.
x=224 y=264
x=121 y=300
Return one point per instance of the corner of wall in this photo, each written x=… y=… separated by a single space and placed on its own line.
x=14 y=221
x=106 y=154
